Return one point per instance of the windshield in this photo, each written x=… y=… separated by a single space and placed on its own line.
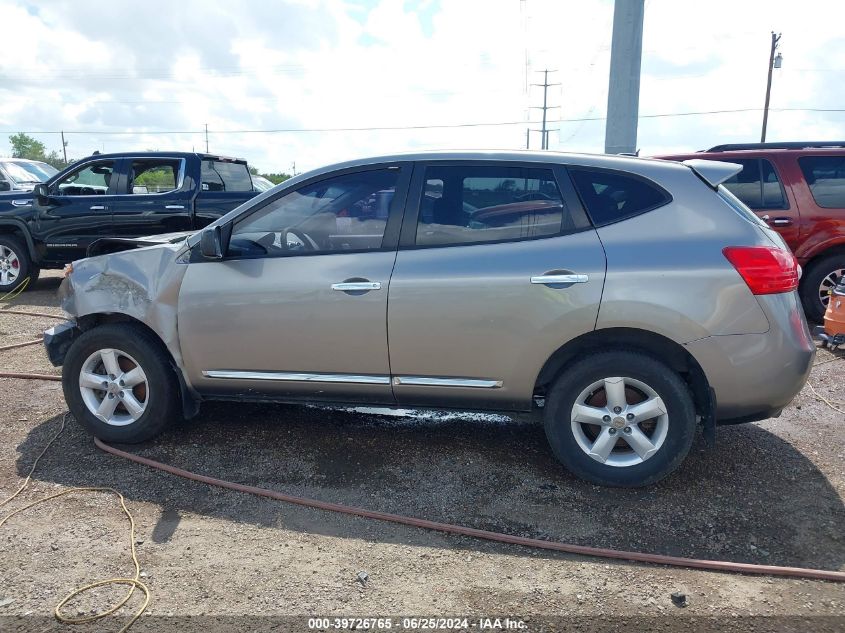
x=29 y=171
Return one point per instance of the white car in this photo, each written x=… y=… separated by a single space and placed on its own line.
x=260 y=183
x=21 y=174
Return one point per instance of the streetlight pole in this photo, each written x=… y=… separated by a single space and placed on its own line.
x=773 y=63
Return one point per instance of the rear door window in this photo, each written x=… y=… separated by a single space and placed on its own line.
x=757 y=185
x=473 y=204
x=154 y=175
x=611 y=196
x=220 y=175
x=825 y=175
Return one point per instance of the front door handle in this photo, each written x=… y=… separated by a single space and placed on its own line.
x=348 y=286
x=782 y=221
x=570 y=278
x=174 y=206
x=98 y=207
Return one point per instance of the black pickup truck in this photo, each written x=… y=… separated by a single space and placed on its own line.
x=124 y=195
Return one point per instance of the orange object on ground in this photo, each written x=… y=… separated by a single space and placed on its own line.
x=834 y=316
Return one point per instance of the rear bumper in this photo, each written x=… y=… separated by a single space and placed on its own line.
x=57 y=341
x=754 y=376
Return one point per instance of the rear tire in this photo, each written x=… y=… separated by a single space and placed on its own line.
x=15 y=265
x=118 y=383
x=819 y=277
x=620 y=419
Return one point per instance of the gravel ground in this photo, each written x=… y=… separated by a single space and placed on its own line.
x=769 y=492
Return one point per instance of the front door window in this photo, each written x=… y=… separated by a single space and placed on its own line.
x=94 y=179
x=345 y=213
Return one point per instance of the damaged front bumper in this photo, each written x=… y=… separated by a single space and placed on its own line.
x=57 y=341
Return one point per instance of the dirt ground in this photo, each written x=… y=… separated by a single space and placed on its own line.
x=769 y=492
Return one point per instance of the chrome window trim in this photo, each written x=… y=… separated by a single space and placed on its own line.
x=437 y=381
x=295 y=377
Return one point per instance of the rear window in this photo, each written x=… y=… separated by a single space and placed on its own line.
x=611 y=196
x=218 y=175
x=825 y=176
x=757 y=185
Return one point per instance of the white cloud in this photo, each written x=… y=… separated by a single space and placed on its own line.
x=105 y=67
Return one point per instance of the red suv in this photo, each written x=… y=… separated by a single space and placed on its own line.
x=799 y=189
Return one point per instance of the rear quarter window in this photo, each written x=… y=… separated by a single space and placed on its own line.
x=218 y=175
x=611 y=196
x=825 y=175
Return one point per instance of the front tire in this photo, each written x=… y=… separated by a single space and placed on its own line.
x=620 y=419
x=118 y=383
x=15 y=266
x=819 y=279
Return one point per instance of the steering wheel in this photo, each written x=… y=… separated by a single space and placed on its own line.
x=306 y=240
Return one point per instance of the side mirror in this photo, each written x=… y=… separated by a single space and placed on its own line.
x=41 y=194
x=5 y=186
x=211 y=243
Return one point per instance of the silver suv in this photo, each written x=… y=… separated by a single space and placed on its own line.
x=632 y=300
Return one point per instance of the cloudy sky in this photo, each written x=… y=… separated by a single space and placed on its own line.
x=128 y=76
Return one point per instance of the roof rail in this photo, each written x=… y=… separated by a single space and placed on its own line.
x=728 y=147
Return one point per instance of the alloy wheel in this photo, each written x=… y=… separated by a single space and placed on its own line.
x=619 y=421
x=10 y=266
x=114 y=387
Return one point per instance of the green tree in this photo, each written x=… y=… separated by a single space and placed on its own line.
x=24 y=146
x=276 y=178
x=55 y=159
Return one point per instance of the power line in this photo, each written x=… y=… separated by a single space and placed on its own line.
x=419 y=127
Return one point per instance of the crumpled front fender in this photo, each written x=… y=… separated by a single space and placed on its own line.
x=142 y=284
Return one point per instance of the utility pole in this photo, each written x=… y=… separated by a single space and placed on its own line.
x=623 y=95
x=544 y=144
x=64 y=146
x=206 y=138
x=774 y=62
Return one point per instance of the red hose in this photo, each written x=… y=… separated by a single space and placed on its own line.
x=38 y=314
x=10 y=374
x=16 y=345
x=675 y=561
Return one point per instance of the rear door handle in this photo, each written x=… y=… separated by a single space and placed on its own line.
x=175 y=206
x=98 y=207
x=346 y=286
x=782 y=221
x=572 y=278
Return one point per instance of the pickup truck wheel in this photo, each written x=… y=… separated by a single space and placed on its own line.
x=118 y=383
x=620 y=419
x=15 y=266
x=819 y=279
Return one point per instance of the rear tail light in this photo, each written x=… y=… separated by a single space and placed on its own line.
x=766 y=269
